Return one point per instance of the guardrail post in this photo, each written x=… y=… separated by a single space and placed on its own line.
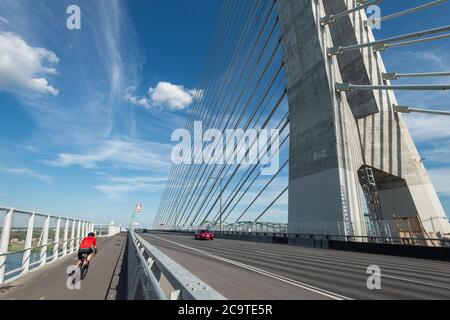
x=66 y=234
x=72 y=237
x=28 y=244
x=78 y=234
x=43 y=257
x=4 y=244
x=56 y=244
x=83 y=229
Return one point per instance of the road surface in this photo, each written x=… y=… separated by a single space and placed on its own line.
x=50 y=282
x=252 y=270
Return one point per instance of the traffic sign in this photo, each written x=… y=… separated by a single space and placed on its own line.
x=138 y=208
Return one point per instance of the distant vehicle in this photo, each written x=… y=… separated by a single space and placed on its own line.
x=144 y=230
x=204 y=235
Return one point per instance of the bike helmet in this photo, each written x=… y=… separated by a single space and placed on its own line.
x=91 y=234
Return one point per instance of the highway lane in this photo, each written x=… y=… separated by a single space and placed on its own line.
x=50 y=283
x=252 y=270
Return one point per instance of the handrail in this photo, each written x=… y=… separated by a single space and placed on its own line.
x=37 y=247
x=68 y=230
x=40 y=214
x=184 y=285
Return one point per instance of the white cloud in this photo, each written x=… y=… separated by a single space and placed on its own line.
x=23 y=68
x=174 y=97
x=165 y=95
x=27 y=173
x=128 y=154
x=118 y=186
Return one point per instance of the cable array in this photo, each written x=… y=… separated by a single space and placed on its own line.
x=242 y=87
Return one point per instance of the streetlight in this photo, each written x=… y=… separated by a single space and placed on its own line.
x=220 y=213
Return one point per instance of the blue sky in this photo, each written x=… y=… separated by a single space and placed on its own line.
x=80 y=143
x=87 y=114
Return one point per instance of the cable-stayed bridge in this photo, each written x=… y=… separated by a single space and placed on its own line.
x=343 y=169
x=314 y=71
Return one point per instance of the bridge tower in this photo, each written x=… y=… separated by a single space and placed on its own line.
x=352 y=159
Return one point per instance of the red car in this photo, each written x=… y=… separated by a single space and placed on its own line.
x=204 y=235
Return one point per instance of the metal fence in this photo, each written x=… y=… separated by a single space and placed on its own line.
x=154 y=276
x=30 y=240
x=290 y=237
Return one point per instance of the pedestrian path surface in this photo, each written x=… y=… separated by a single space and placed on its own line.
x=50 y=282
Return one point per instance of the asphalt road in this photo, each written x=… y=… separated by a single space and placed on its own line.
x=50 y=283
x=252 y=270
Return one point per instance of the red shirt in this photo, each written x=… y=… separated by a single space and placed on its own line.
x=88 y=242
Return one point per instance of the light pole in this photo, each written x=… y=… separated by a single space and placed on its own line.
x=220 y=201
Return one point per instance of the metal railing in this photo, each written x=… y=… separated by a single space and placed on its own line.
x=60 y=246
x=154 y=276
x=387 y=239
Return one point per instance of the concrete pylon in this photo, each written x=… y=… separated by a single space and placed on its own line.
x=335 y=135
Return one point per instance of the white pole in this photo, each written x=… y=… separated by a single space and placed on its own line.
x=43 y=257
x=83 y=234
x=4 y=244
x=78 y=233
x=56 y=244
x=28 y=243
x=66 y=234
x=72 y=237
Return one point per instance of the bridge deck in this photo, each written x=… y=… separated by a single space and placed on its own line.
x=49 y=283
x=252 y=270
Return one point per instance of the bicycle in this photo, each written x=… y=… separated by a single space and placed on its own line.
x=84 y=266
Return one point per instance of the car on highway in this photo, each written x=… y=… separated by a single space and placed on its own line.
x=204 y=234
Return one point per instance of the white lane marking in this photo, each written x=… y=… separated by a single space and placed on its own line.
x=415 y=281
x=323 y=258
x=296 y=283
x=329 y=257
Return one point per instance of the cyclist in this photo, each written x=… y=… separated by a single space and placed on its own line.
x=87 y=246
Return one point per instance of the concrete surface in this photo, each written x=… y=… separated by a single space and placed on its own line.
x=272 y=271
x=49 y=283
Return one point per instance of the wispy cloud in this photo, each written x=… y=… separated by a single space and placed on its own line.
x=424 y=60
x=4 y=20
x=26 y=172
x=431 y=133
x=427 y=128
x=441 y=180
x=120 y=186
x=125 y=154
